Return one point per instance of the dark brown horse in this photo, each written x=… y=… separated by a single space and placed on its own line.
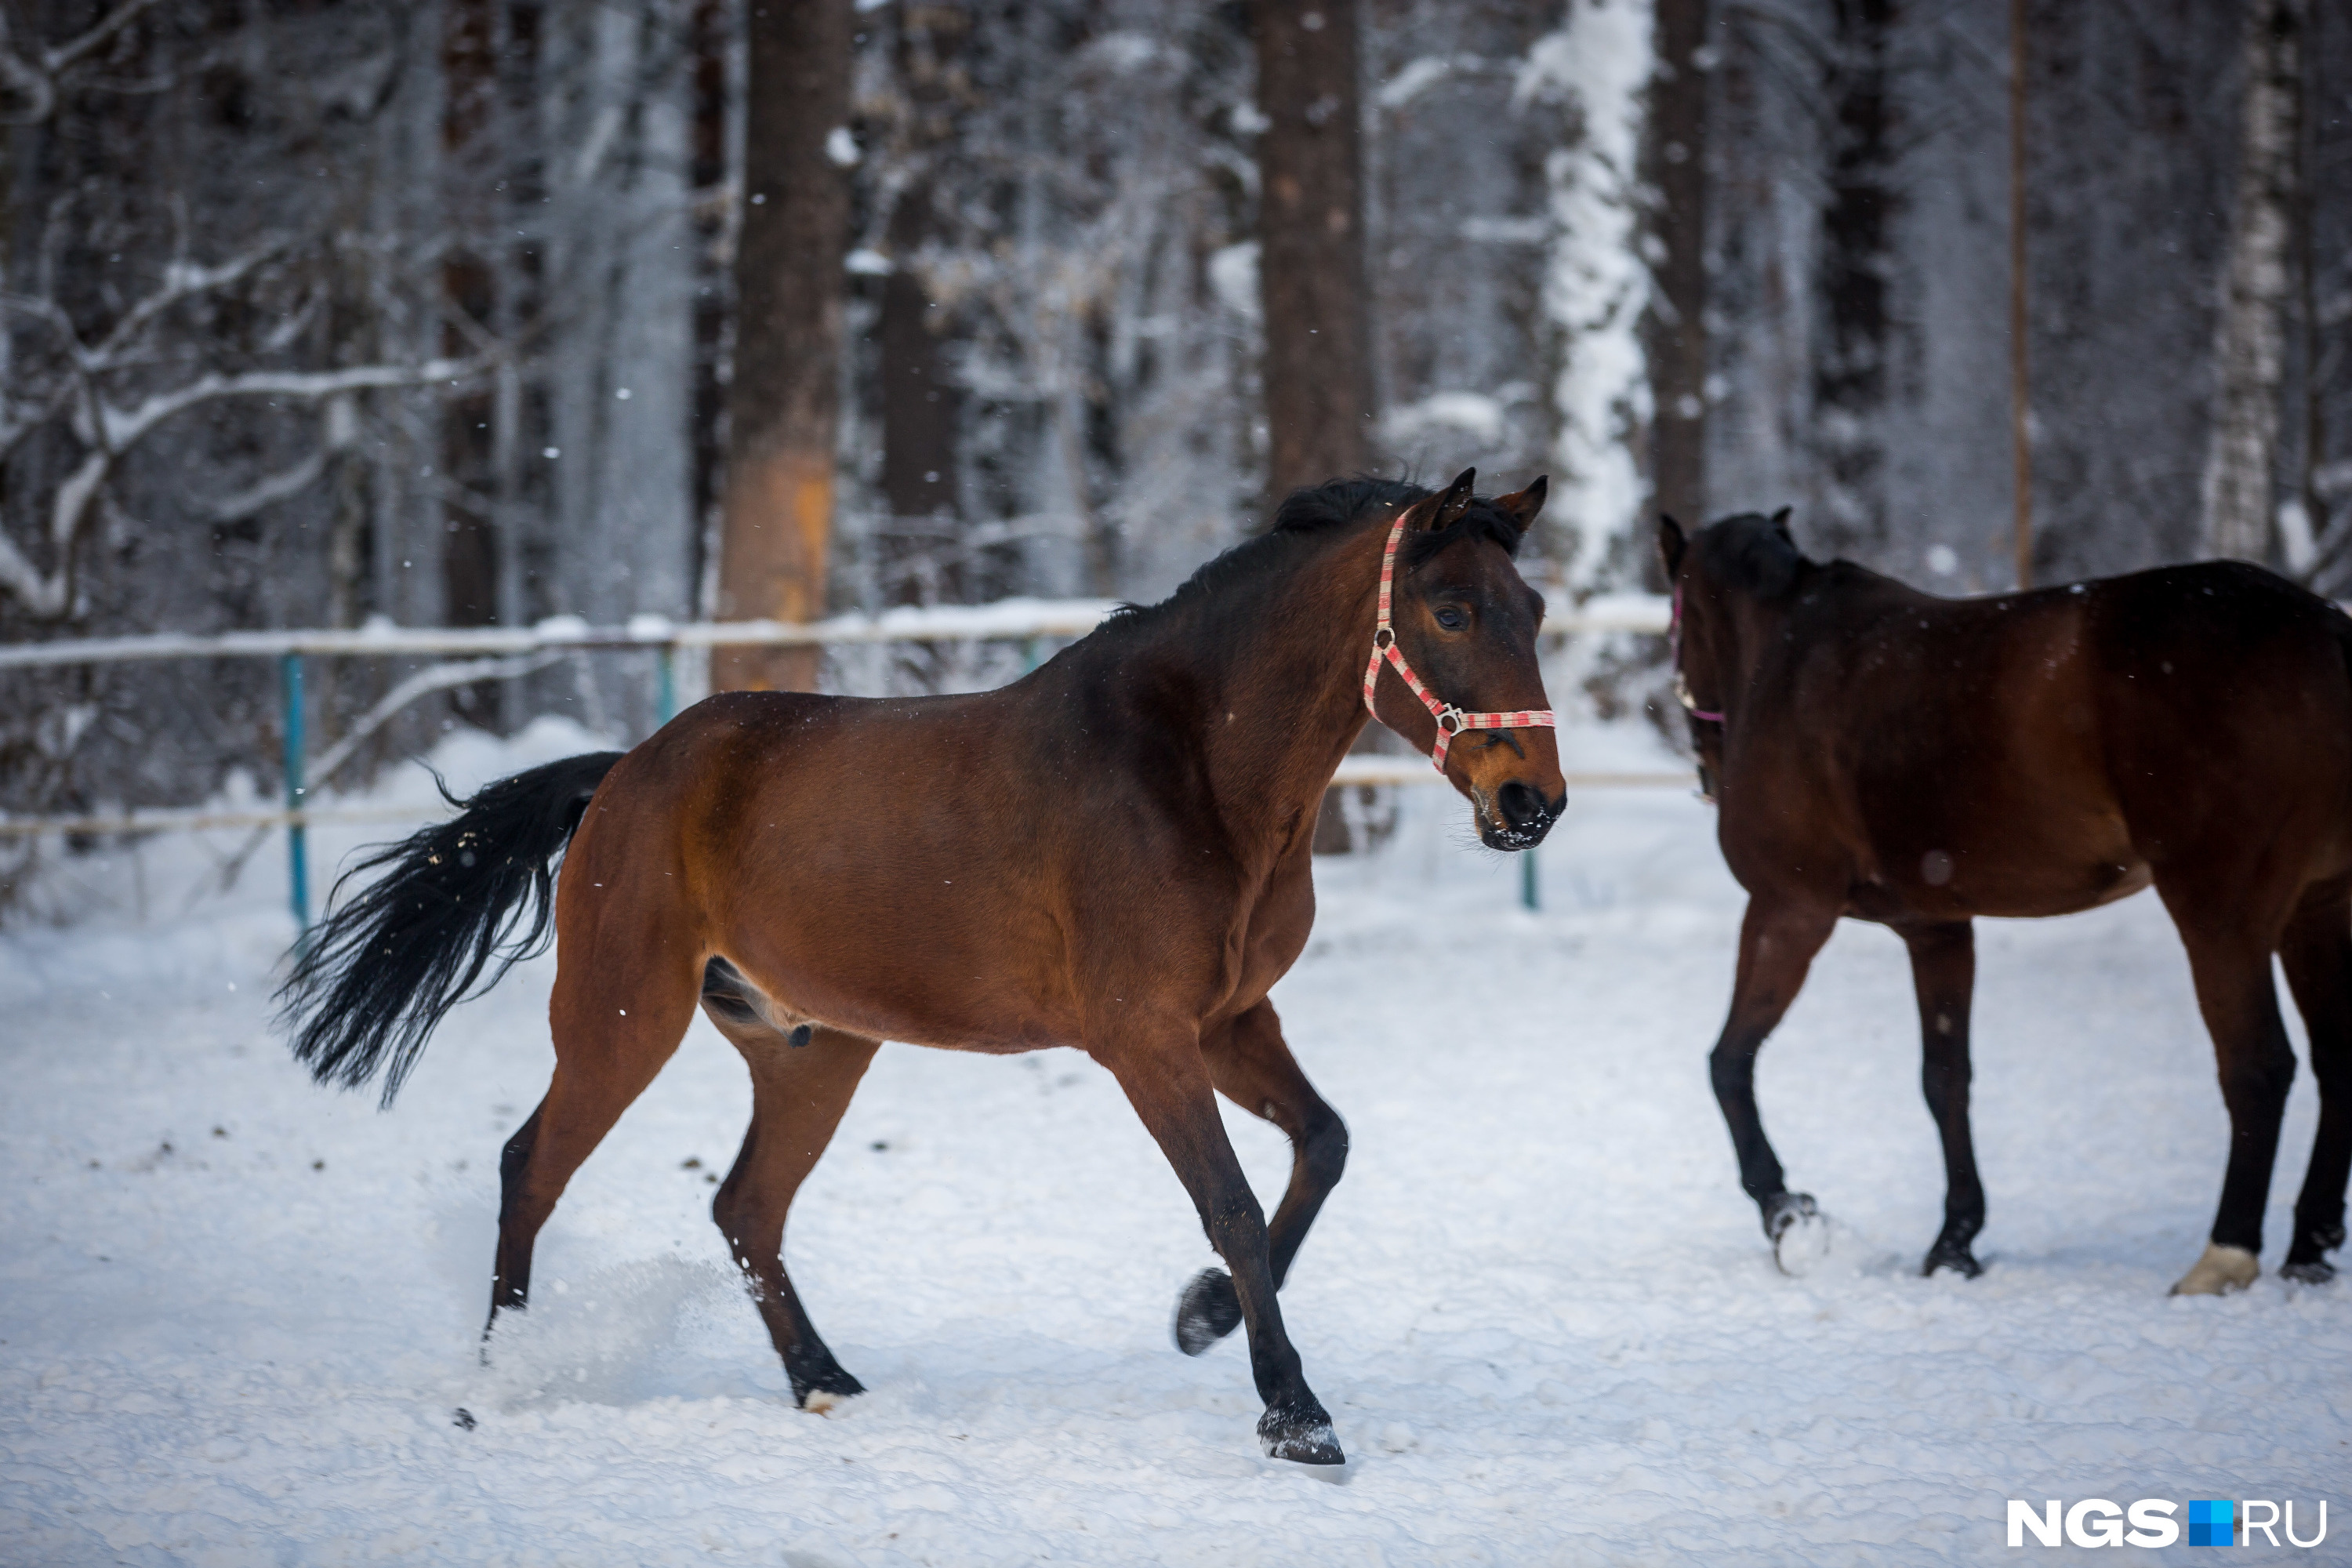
x=1111 y=853
x=1888 y=757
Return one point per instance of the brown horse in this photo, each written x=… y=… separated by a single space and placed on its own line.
x=1111 y=853
x=1885 y=755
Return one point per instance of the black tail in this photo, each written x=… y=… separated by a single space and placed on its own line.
x=377 y=974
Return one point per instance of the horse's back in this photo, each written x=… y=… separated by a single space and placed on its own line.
x=2032 y=753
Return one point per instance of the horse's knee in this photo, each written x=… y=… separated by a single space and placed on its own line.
x=1731 y=1067
x=1232 y=1220
x=2259 y=1086
x=1323 y=1148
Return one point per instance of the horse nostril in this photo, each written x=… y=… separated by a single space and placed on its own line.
x=1520 y=804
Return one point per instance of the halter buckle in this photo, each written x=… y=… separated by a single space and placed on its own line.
x=1380 y=632
x=1461 y=719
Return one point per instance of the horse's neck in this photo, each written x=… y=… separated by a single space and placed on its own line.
x=1280 y=665
x=1757 y=624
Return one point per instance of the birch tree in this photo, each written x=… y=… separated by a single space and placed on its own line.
x=2249 y=342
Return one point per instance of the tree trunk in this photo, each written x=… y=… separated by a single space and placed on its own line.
x=1318 y=371
x=469 y=557
x=1311 y=275
x=1677 y=323
x=784 y=407
x=715 y=224
x=2249 y=344
x=923 y=405
x=1850 y=380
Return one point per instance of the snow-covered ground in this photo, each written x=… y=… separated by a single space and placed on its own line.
x=236 y=1312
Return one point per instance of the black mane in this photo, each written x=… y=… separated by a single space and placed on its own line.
x=1310 y=513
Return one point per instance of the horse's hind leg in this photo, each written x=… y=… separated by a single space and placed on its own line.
x=1944 y=973
x=1778 y=941
x=798 y=1095
x=615 y=1026
x=2229 y=959
x=1253 y=1066
x=2317 y=953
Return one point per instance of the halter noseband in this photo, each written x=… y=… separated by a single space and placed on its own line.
x=1674 y=646
x=1450 y=721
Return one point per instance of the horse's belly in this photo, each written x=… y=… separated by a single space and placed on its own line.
x=2021 y=853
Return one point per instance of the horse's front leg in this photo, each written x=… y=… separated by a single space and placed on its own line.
x=1778 y=940
x=1253 y=1066
x=1944 y=973
x=1167 y=1082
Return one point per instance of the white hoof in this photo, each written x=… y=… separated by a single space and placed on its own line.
x=1802 y=1243
x=2221 y=1271
x=821 y=1403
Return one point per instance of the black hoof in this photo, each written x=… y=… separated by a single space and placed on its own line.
x=2318 y=1271
x=822 y=1388
x=1207 y=1312
x=1954 y=1256
x=1302 y=1436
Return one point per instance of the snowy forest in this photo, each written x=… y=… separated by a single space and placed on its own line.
x=475 y=312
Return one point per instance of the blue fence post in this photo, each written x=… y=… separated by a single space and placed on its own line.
x=1529 y=895
x=665 y=684
x=297 y=860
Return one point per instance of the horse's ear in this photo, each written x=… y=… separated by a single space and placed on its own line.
x=1780 y=524
x=1453 y=503
x=1521 y=506
x=1670 y=545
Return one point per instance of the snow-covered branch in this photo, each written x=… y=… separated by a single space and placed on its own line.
x=32 y=78
x=114 y=430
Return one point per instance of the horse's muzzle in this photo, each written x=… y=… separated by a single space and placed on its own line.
x=1521 y=817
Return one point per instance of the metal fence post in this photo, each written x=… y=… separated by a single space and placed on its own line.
x=665 y=684
x=298 y=859
x=1529 y=896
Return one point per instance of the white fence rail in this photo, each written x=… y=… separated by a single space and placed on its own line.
x=1007 y=620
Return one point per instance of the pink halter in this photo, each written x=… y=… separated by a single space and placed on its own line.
x=1674 y=646
x=1450 y=721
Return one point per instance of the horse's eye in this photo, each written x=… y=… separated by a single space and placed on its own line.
x=1452 y=619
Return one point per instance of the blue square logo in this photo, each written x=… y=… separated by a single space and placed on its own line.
x=2213 y=1523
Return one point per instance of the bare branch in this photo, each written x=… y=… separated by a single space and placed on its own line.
x=433 y=677
x=57 y=60
x=115 y=430
x=269 y=489
x=35 y=80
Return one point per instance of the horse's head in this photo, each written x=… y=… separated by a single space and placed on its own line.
x=1740 y=560
x=1466 y=622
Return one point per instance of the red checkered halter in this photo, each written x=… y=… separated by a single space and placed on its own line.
x=1450 y=721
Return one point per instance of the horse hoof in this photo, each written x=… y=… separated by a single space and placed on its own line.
x=1799 y=1235
x=1954 y=1256
x=2318 y=1271
x=825 y=1390
x=1301 y=1437
x=1207 y=1312
x=2221 y=1271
